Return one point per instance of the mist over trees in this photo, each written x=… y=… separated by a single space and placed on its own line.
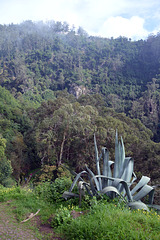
x=59 y=86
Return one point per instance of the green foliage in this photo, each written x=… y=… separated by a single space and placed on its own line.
x=64 y=134
x=5 y=165
x=61 y=120
x=52 y=57
x=44 y=61
x=102 y=219
x=24 y=201
x=112 y=222
x=2 y=147
x=62 y=216
x=50 y=173
x=5 y=172
x=89 y=202
x=52 y=191
x=11 y=193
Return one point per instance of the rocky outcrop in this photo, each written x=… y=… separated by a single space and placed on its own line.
x=77 y=91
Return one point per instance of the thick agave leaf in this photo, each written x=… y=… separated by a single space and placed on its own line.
x=157 y=207
x=138 y=205
x=87 y=187
x=134 y=177
x=143 y=192
x=110 y=189
x=92 y=175
x=67 y=195
x=122 y=151
x=119 y=157
x=144 y=180
x=108 y=179
x=97 y=162
x=110 y=163
x=106 y=168
x=127 y=172
x=116 y=163
x=93 y=189
x=116 y=182
x=105 y=154
x=151 y=195
x=120 y=160
x=76 y=179
x=124 y=186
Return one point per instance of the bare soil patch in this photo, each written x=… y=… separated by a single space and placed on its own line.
x=10 y=228
x=45 y=229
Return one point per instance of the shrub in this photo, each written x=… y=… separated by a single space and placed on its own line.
x=52 y=191
x=62 y=216
x=51 y=173
x=5 y=164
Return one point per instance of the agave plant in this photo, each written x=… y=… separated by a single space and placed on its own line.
x=118 y=182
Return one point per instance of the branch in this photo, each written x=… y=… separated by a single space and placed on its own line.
x=31 y=216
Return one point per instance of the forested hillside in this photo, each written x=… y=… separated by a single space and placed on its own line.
x=59 y=86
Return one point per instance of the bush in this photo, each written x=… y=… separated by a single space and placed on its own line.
x=52 y=191
x=11 y=193
x=63 y=215
x=51 y=173
x=5 y=164
x=9 y=182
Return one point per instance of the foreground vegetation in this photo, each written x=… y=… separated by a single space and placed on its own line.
x=107 y=221
x=103 y=218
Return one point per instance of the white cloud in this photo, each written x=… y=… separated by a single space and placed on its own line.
x=119 y=26
x=104 y=17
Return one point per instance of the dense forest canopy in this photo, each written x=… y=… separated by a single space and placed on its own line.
x=59 y=86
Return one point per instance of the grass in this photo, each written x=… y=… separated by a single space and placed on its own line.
x=24 y=202
x=11 y=229
x=103 y=219
x=107 y=221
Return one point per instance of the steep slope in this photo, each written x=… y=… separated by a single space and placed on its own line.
x=112 y=79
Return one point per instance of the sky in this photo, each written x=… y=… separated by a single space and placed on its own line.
x=135 y=19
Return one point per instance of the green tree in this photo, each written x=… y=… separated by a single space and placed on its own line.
x=5 y=165
x=66 y=127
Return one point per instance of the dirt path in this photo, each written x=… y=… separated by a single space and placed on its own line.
x=11 y=229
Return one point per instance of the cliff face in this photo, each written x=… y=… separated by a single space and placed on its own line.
x=77 y=91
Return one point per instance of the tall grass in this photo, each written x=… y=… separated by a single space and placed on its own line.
x=111 y=222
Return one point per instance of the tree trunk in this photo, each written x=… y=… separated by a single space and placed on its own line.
x=61 y=149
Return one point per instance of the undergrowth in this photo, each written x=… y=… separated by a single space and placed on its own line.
x=107 y=221
x=97 y=219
